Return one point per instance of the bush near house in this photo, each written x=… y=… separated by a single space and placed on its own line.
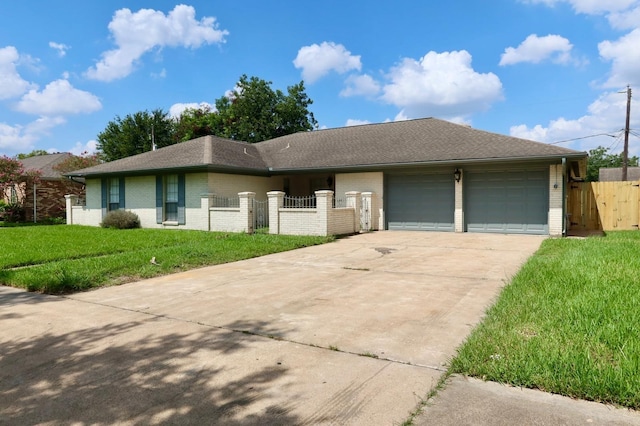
x=121 y=219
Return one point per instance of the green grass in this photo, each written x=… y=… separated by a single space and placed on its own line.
x=63 y=259
x=569 y=323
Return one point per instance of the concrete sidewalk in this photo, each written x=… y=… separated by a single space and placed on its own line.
x=468 y=401
x=353 y=332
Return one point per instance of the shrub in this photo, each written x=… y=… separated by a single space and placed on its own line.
x=121 y=219
x=12 y=213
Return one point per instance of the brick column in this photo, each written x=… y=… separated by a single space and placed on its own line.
x=246 y=210
x=458 y=215
x=71 y=200
x=355 y=202
x=276 y=201
x=324 y=206
x=205 y=204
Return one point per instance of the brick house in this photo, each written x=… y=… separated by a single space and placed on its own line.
x=424 y=174
x=49 y=201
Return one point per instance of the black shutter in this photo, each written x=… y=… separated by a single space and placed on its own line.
x=181 y=200
x=159 y=200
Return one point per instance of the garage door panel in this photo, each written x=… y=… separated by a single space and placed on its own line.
x=420 y=202
x=507 y=201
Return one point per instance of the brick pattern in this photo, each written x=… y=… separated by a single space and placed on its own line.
x=50 y=201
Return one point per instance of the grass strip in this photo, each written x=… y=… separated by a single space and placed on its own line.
x=126 y=255
x=568 y=323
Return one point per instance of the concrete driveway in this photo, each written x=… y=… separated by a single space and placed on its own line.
x=352 y=332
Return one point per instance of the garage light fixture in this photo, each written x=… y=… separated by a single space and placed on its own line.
x=457 y=174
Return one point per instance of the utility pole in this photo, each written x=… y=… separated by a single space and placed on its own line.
x=625 y=152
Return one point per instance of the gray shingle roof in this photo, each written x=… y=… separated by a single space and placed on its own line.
x=409 y=142
x=205 y=153
x=403 y=142
x=45 y=164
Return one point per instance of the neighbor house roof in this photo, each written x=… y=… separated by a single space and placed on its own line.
x=412 y=142
x=45 y=164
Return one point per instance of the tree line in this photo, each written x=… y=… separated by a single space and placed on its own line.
x=252 y=112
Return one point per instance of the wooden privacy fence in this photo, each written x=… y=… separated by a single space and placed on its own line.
x=606 y=206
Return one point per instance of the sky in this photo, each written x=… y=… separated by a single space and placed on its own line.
x=554 y=71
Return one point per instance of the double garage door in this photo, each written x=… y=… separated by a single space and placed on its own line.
x=503 y=201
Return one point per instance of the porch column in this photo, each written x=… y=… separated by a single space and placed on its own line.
x=556 y=183
x=324 y=205
x=70 y=200
x=354 y=202
x=458 y=215
x=246 y=210
x=367 y=210
x=276 y=201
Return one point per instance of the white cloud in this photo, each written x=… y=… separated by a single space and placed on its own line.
x=624 y=54
x=11 y=84
x=590 y=7
x=58 y=98
x=159 y=75
x=605 y=116
x=137 y=33
x=353 y=122
x=625 y=20
x=318 y=60
x=177 y=109
x=360 y=85
x=88 y=148
x=20 y=138
x=536 y=49
x=61 y=48
x=442 y=85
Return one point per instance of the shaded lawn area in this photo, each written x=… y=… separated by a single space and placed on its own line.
x=569 y=323
x=64 y=259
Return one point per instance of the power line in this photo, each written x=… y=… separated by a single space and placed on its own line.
x=584 y=137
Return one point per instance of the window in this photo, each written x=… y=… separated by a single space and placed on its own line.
x=171 y=198
x=14 y=195
x=114 y=194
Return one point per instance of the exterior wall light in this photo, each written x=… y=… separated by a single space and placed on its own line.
x=457 y=174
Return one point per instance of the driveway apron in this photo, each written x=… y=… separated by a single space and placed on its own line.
x=352 y=332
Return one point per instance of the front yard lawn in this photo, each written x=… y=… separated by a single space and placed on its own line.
x=64 y=259
x=569 y=323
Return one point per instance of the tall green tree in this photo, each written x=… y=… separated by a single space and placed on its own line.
x=33 y=153
x=196 y=122
x=131 y=135
x=252 y=112
x=600 y=158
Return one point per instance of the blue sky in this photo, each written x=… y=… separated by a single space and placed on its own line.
x=547 y=70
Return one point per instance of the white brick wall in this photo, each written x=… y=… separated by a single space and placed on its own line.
x=556 y=183
x=342 y=221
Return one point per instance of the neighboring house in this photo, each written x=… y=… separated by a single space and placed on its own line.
x=614 y=174
x=49 y=190
x=424 y=174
